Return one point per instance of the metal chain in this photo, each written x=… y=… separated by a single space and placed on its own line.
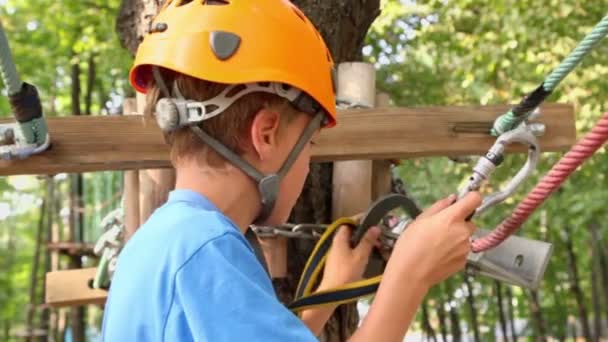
x=393 y=226
x=310 y=231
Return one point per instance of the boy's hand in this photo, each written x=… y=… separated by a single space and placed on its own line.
x=431 y=249
x=345 y=264
x=437 y=243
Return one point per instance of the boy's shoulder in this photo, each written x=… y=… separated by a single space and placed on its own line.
x=186 y=223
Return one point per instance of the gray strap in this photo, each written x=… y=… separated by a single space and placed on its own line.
x=308 y=132
x=227 y=153
x=160 y=82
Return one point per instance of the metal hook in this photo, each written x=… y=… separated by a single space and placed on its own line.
x=524 y=134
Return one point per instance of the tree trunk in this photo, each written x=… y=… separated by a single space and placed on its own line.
x=575 y=285
x=537 y=316
x=426 y=322
x=344 y=25
x=454 y=316
x=595 y=293
x=8 y=264
x=511 y=314
x=31 y=310
x=501 y=311
x=91 y=76
x=472 y=309
x=443 y=327
x=45 y=316
x=76 y=216
x=602 y=257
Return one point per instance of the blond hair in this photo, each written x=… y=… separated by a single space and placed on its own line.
x=230 y=128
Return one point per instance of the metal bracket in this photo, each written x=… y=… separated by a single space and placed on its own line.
x=518 y=261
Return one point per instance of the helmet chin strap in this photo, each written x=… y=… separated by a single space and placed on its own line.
x=268 y=185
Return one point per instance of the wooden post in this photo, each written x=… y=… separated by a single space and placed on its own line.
x=381 y=169
x=131 y=185
x=154 y=184
x=352 y=179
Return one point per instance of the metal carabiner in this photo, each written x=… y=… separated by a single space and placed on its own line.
x=525 y=134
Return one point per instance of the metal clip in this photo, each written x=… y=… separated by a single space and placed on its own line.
x=12 y=145
x=524 y=134
x=518 y=261
x=108 y=247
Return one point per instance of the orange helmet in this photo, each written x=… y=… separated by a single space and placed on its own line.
x=239 y=42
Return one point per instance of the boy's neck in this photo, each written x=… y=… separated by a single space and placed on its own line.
x=231 y=191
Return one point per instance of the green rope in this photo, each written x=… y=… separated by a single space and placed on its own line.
x=33 y=131
x=10 y=77
x=518 y=114
x=583 y=48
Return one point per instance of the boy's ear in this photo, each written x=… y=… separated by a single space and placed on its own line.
x=264 y=132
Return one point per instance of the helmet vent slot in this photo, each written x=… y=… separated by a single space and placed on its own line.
x=216 y=2
x=182 y=2
x=211 y=107
x=235 y=90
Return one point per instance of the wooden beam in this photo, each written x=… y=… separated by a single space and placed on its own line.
x=72 y=248
x=97 y=143
x=71 y=288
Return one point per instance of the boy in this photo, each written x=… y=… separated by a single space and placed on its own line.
x=241 y=88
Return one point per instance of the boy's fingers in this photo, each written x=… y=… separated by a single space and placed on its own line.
x=342 y=237
x=464 y=207
x=367 y=243
x=357 y=218
x=438 y=206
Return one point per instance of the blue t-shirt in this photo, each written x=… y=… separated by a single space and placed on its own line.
x=189 y=274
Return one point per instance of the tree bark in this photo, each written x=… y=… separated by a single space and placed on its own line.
x=501 y=311
x=76 y=215
x=443 y=327
x=454 y=316
x=472 y=309
x=596 y=297
x=575 y=285
x=602 y=257
x=343 y=25
x=8 y=265
x=134 y=17
x=91 y=76
x=51 y=207
x=537 y=316
x=511 y=314
x=31 y=310
x=426 y=322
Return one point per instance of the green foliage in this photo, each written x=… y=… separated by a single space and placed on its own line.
x=436 y=52
x=487 y=52
x=47 y=38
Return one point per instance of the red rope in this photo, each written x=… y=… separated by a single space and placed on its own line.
x=582 y=150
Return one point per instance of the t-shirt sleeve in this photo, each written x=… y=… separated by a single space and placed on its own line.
x=226 y=295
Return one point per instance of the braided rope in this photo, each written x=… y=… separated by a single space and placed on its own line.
x=517 y=114
x=10 y=77
x=582 y=150
x=583 y=48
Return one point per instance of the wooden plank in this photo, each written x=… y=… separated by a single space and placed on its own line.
x=96 y=143
x=72 y=248
x=71 y=288
x=352 y=187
